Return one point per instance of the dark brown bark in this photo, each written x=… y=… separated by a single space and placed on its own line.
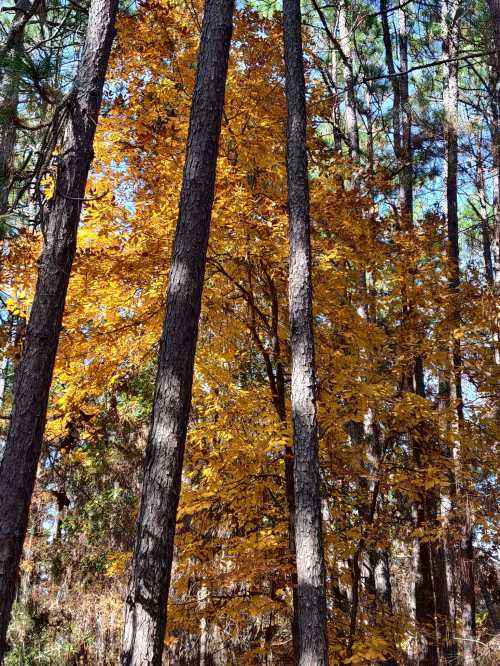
x=308 y=528
x=494 y=7
x=424 y=594
x=426 y=562
x=33 y=377
x=145 y=615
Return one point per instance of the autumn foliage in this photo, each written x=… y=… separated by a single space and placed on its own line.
x=381 y=305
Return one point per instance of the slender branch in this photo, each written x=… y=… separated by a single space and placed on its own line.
x=416 y=68
x=331 y=36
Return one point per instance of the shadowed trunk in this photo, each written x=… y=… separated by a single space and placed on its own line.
x=308 y=529
x=483 y=217
x=145 y=614
x=494 y=7
x=465 y=573
x=34 y=375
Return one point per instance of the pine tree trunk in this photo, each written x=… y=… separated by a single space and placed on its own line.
x=450 y=26
x=350 y=96
x=308 y=528
x=396 y=98
x=425 y=509
x=145 y=615
x=494 y=7
x=483 y=215
x=406 y=158
x=335 y=115
x=33 y=377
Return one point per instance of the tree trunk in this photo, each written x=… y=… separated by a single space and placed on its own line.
x=483 y=218
x=425 y=509
x=494 y=7
x=308 y=529
x=406 y=157
x=145 y=615
x=350 y=93
x=450 y=28
x=33 y=378
x=389 y=60
x=335 y=115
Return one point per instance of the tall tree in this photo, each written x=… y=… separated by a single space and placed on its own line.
x=313 y=650
x=34 y=375
x=494 y=8
x=451 y=31
x=424 y=508
x=145 y=616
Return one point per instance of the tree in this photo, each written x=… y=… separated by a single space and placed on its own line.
x=33 y=378
x=145 y=618
x=494 y=8
x=308 y=530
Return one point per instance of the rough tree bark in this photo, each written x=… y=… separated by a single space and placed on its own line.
x=33 y=378
x=450 y=28
x=494 y=7
x=145 y=615
x=308 y=529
